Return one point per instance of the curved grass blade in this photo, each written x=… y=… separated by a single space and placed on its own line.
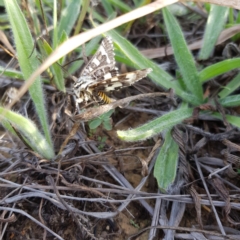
x=156 y=126
x=215 y=24
x=218 y=69
x=231 y=101
x=234 y=120
x=183 y=56
x=12 y=73
x=230 y=87
x=30 y=131
x=55 y=68
x=28 y=60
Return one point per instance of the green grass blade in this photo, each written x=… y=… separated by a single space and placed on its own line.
x=55 y=68
x=62 y=39
x=234 y=120
x=121 y=5
x=30 y=131
x=215 y=24
x=166 y=164
x=68 y=18
x=82 y=16
x=183 y=56
x=156 y=126
x=230 y=87
x=107 y=7
x=12 y=73
x=135 y=59
x=218 y=69
x=28 y=60
x=231 y=101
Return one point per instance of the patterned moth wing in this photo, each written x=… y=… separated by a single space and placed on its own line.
x=119 y=81
x=101 y=66
x=102 y=63
x=100 y=75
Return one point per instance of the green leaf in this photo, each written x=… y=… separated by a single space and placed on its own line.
x=182 y=55
x=107 y=124
x=82 y=16
x=121 y=5
x=230 y=87
x=107 y=115
x=108 y=7
x=231 y=101
x=94 y=123
x=68 y=18
x=166 y=164
x=215 y=24
x=156 y=126
x=234 y=120
x=30 y=131
x=55 y=68
x=159 y=76
x=62 y=39
x=28 y=62
x=12 y=73
x=218 y=69
x=178 y=9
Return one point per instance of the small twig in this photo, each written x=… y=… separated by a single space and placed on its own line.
x=209 y=196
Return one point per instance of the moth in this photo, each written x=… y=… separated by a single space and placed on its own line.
x=100 y=75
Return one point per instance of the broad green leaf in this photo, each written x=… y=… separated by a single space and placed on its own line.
x=156 y=126
x=107 y=115
x=166 y=164
x=28 y=62
x=30 y=131
x=95 y=123
x=182 y=55
x=159 y=76
x=215 y=24
x=230 y=101
x=218 y=69
x=107 y=124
